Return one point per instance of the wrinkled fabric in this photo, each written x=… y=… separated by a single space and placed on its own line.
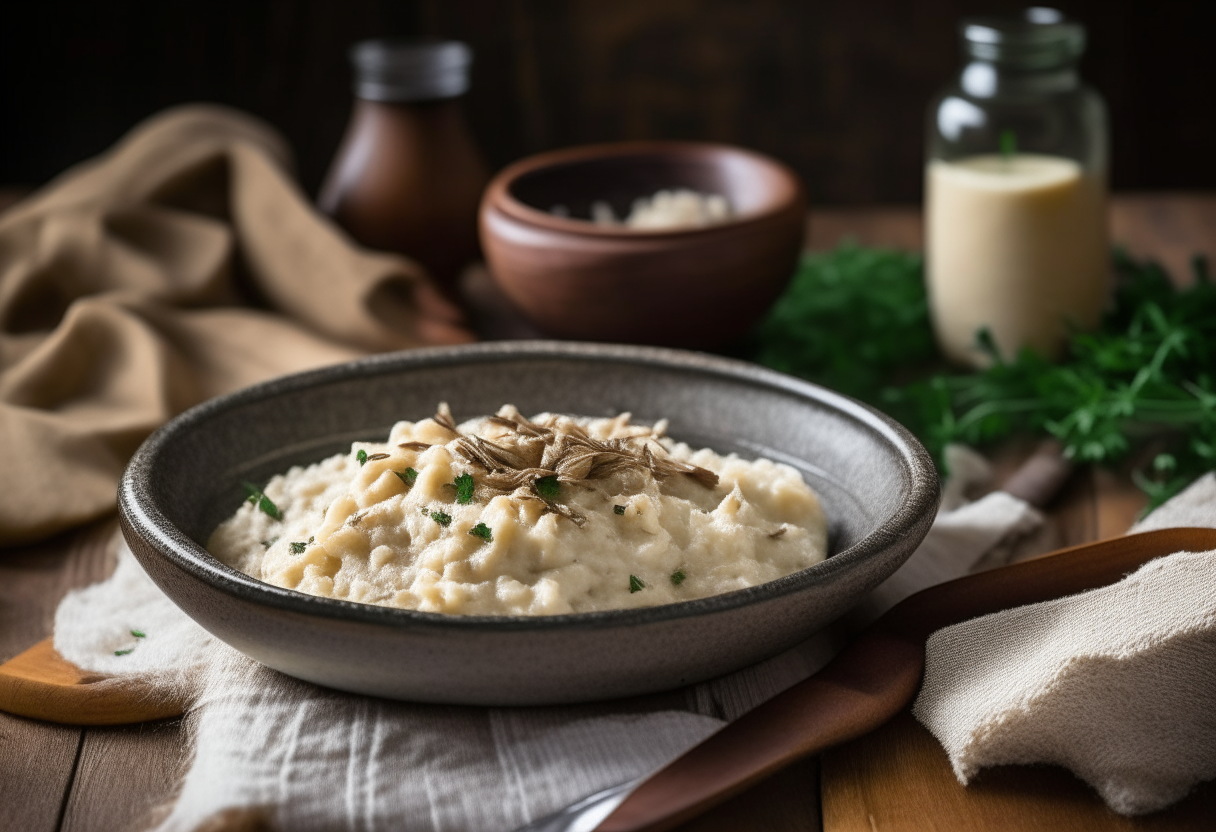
x=182 y=264
x=1116 y=684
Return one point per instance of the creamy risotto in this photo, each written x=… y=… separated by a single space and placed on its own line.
x=505 y=515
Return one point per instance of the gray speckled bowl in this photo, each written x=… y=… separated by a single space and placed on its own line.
x=877 y=484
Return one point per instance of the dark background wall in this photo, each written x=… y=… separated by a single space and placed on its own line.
x=837 y=88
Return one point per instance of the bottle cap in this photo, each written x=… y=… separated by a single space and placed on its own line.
x=1035 y=38
x=418 y=70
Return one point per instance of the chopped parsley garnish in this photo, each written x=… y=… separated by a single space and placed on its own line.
x=442 y=519
x=311 y=539
x=269 y=543
x=618 y=509
x=548 y=487
x=408 y=476
x=138 y=634
x=255 y=496
x=124 y=652
x=483 y=531
x=678 y=577
x=298 y=548
x=464 y=489
x=636 y=584
x=361 y=455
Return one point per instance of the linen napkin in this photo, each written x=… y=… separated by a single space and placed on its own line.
x=1117 y=684
x=182 y=264
x=302 y=757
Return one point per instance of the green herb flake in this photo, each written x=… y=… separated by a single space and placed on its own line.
x=636 y=584
x=254 y=495
x=298 y=548
x=1009 y=143
x=619 y=510
x=126 y=652
x=548 y=487
x=409 y=476
x=442 y=519
x=678 y=577
x=138 y=634
x=464 y=489
x=270 y=542
x=483 y=531
x=361 y=455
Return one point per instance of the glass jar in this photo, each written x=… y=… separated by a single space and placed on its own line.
x=1015 y=189
x=408 y=175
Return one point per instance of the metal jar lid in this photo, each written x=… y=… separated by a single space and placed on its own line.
x=1036 y=38
x=394 y=70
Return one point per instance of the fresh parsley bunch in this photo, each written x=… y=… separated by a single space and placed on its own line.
x=856 y=320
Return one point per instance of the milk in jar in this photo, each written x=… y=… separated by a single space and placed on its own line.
x=1016 y=244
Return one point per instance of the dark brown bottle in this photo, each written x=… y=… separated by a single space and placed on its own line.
x=408 y=176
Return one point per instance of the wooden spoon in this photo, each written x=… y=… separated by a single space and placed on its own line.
x=875 y=677
x=41 y=684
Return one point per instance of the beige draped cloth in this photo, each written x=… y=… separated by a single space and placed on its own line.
x=182 y=264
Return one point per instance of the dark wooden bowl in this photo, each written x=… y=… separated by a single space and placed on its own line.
x=698 y=287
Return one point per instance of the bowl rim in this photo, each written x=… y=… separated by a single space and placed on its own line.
x=498 y=194
x=141 y=515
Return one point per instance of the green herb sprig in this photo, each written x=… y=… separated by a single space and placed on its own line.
x=254 y=495
x=636 y=584
x=441 y=518
x=409 y=476
x=482 y=531
x=856 y=319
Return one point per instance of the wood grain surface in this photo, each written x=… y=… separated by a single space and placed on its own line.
x=898 y=778
x=56 y=777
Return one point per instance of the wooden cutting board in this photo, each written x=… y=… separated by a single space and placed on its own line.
x=898 y=778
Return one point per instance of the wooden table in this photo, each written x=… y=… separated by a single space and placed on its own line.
x=54 y=777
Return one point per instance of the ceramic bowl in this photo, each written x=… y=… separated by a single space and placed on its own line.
x=878 y=487
x=695 y=287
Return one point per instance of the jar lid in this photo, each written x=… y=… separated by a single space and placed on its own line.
x=418 y=70
x=1035 y=38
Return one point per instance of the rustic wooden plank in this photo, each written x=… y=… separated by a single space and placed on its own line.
x=899 y=778
x=37 y=759
x=126 y=777
x=1169 y=228
x=1118 y=502
x=36 y=764
x=786 y=802
x=891 y=226
x=33 y=579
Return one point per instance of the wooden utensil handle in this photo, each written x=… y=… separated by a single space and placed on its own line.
x=874 y=678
